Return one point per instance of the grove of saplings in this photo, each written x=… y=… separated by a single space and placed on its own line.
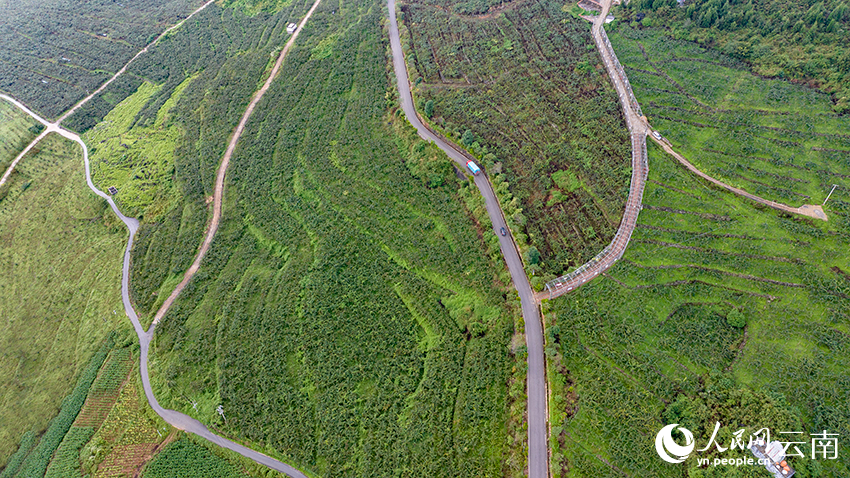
x=55 y=52
x=807 y=41
x=525 y=87
x=346 y=317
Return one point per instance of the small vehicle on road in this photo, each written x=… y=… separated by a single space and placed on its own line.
x=473 y=168
x=657 y=135
x=503 y=231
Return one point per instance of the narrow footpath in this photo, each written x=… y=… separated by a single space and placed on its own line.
x=538 y=433
x=810 y=210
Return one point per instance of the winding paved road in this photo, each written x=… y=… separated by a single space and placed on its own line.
x=172 y=417
x=538 y=450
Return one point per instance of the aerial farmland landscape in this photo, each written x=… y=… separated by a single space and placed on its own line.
x=436 y=238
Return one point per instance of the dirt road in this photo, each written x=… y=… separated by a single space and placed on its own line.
x=810 y=210
x=172 y=417
x=218 y=193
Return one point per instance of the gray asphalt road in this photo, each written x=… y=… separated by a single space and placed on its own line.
x=538 y=452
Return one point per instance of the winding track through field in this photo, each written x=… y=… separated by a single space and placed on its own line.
x=172 y=417
x=638 y=129
x=810 y=210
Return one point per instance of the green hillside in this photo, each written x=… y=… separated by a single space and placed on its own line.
x=788 y=39
x=721 y=310
x=523 y=89
x=17 y=129
x=60 y=259
x=56 y=52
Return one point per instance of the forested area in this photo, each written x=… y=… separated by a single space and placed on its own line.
x=56 y=52
x=159 y=141
x=346 y=317
x=720 y=311
x=525 y=91
x=806 y=41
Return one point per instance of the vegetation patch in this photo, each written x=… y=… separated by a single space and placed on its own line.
x=700 y=322
x=185 y=459
x=378 y=250
x=772 y=138
x=87 y=45
x=524 y=90
x=802 y=41
x=17 y=129
x=60 y=259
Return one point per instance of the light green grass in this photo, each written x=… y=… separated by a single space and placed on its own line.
x=60 y=259
x=631 y=347
x=137 y=160
x=17 y=129
x=767 y=136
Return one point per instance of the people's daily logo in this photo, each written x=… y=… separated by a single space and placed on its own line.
x=668 y=449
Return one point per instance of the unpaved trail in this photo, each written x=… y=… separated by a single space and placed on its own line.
x=172 y=417
x=218 y=193
x=810 y=210
x=124 y=68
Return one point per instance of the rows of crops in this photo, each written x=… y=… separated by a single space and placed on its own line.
x=777 y=140
x=37 y=459
x=719 y=311
x=185 y=459
x=346 y=318
x=524 y=90
x=55 y=52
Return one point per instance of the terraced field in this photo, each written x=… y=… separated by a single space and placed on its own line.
x=712 y=296
x=772 y=138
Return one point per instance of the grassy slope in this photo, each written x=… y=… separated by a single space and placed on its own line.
x=60 y=257
x=684 y=272
x=344 y=317
x=529 y=85
x=17 y=129
x=159 y=139
x=769 y=137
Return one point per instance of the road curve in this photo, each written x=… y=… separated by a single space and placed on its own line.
x=85 y=100
x=172 y=417
x=538 y=450
x=640 y=169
